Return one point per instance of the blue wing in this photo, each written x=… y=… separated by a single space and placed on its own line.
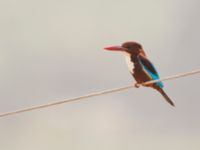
x=149 y=67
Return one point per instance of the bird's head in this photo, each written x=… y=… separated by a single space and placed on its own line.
x=132 y=48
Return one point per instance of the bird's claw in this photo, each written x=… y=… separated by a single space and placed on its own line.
x=137 y=85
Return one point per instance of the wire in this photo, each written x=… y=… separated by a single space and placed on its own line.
x=27 y=109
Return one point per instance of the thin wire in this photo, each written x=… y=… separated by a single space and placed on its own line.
x=180 y=75
x=27 y=109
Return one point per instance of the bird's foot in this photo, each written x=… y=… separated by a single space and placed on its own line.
x=137 y=85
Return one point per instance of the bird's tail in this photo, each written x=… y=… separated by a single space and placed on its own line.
x=165 y=96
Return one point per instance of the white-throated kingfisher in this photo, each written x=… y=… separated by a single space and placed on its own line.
x=140 y=66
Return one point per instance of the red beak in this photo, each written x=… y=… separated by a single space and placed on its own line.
x=115 y=48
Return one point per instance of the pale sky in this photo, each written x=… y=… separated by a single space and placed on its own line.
x=52 y=49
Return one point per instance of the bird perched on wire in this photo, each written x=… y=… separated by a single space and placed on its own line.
x=140 y=66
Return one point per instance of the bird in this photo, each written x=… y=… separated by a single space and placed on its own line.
x=141 y=68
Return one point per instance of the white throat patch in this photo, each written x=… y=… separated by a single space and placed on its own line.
x=129 y=62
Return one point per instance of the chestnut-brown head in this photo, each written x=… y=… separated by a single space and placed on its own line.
x=132 y=48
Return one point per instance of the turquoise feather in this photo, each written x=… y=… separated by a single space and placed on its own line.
x=154 y=76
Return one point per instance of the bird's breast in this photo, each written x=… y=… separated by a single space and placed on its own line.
x=129 y=63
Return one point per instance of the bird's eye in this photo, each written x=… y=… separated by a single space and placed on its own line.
x=128 y=47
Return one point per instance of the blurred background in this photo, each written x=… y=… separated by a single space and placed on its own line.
x=52 y=49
